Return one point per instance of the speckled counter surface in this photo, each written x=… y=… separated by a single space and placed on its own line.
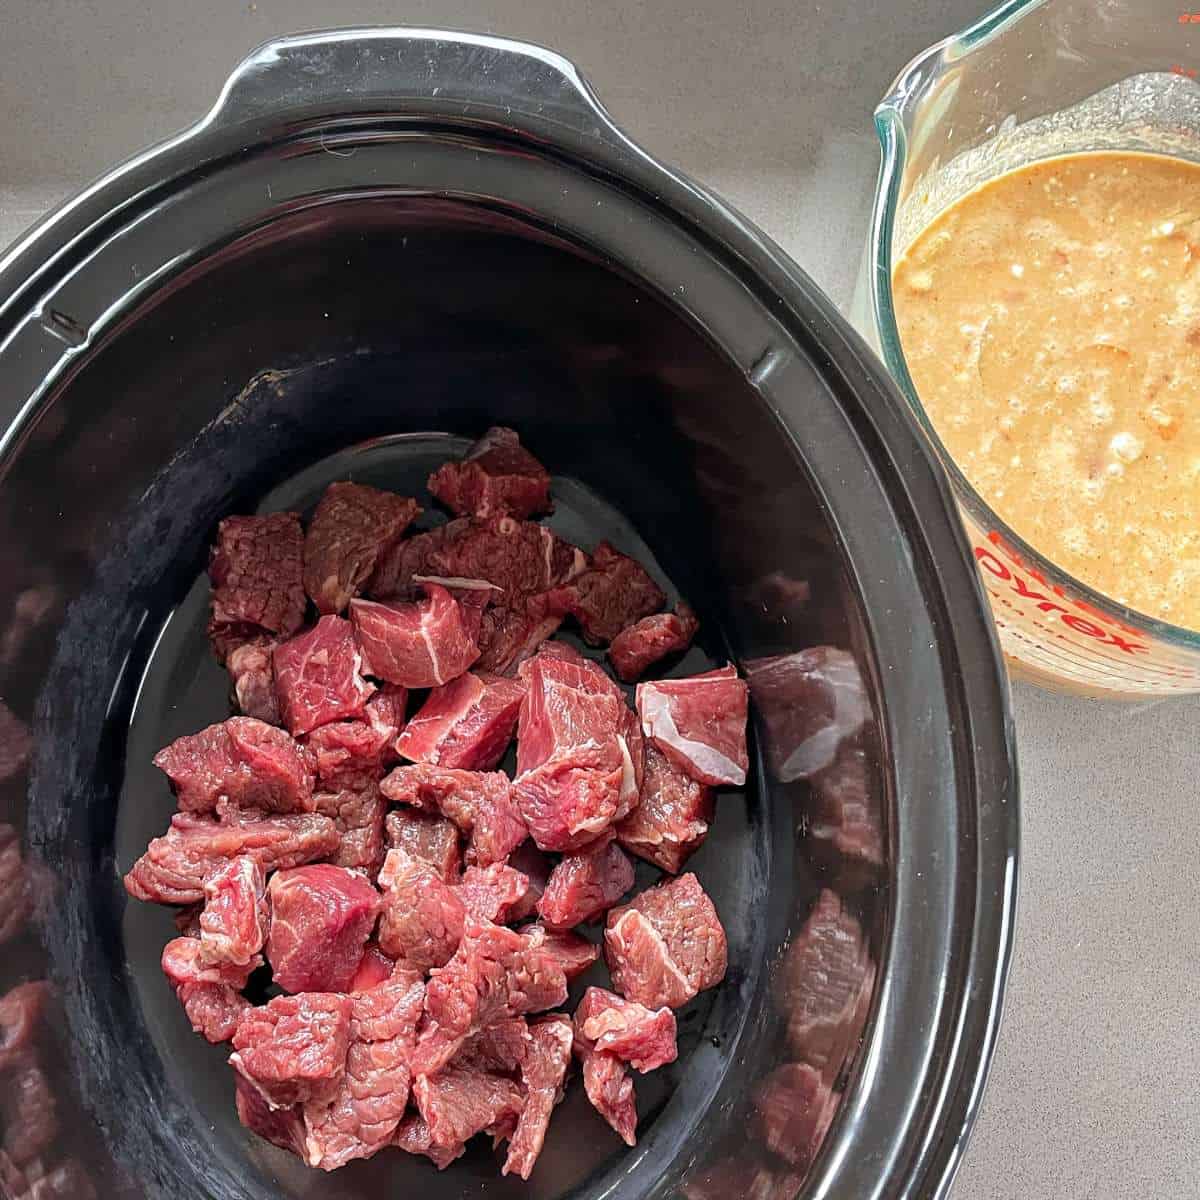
x=1094 y=1091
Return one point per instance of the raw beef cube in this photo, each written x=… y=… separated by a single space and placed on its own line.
x=293 y=1050
x=699 y=724
x=666 y=945
x=466 y=724
x=348 y=754
x=362 y=1116
x=637 y=648
x=247 y=762
x=630 y=1031
x=613 y=593
x=473 y=596
x=422 y=921
x=16 y=897
x=358 y=815
x=352 y=526
x=826 y=981
x=419 y=644
x=521 y=557
x=491 y=893
x=609 y=1090
x=21 y=1011
x=544 y=1067
x=233 y=925
x=458 y=1102
x=494 y=973
x=209 y=994
x=374 y=968
x=16 y=743
x=175 y=866
x=480 y=803
x=513 y=628
x=793 y=1108
x=845 y=819
x=257 y=588
x=183 y=963
x=386 y=711
x=500 y=1047
x=282 y=1127
x=810 y=703
x=586 y=884
x=29 y=1112
x=252 y=675
x=318 y=676
x=413 y=1137
x=574 y=954
x=672 y=819
x=497 y=477
x=428 y=837
x=321 y=918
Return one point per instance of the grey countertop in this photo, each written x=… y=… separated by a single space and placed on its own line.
x=1094 y=1087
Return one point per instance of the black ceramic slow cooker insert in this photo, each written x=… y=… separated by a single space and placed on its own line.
x=378 y=243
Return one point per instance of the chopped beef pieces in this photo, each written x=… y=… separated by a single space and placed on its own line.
x=373 y=969
x=494 y=973
x=473 y=597
x=209 y=993
x=183 y=963
x=491 y=893
x=175 y=866
x=480 y=803
x=233 y=925
x=16 y=743
x=21 y=1011
x=422 y=920
x=352 y=526
x=521 y=557
x=293 y=1050
x=613 y=593
x=318 y=676
x=574 y=954
x=638 y=647
x=630 y=1031
x=544 y=1066
x=252 y=674
x=358 y=815
x=257 y=586
x=498 y=477
x=361 y=1118
x=247 y=762
x=672 y=818
x=282 y=1127
x=466 y=724
x=458 y=1102
x=419 y=644
x=699 y=724
x=609 y=1088
x=826 y=981
x=386 y=712
x=16 y=897
x=28 y=1110
x=793 y=1108
x=845 y=816
x=321 y=918
x=511 y=631
x=431 y=838
x=585 y=884
x=666 y=945
x=348 y=755
x=413 y=1137
x=810 y=703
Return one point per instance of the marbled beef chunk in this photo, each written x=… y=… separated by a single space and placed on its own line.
x=413 y=1137
x=319 y=676
x=252 y=677
x=638 y=647
x=282 y=1127
x=233 y=924
x=466 y=724
x=586 y=884
x=358 y=814
x=426 y=836
x=497 y=477
x=544 y=1065
x=606 y=1079
x=461 y=1100
x=613 y=593
x=573 y=954
x=209 y=993
x=422 y=917
x=492 y=893
x=672 y=818
x=633 y=1033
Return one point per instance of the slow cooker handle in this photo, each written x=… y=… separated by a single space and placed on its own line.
x=419 y=73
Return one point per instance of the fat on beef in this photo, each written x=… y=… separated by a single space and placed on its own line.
x=362 y=1116
x=319 y=676
x=793 y=1108
x=417 y=644
x=810 y=703
x=426 y=836
x=252 y=677
x=282 y=1127
x=352 y=526
x=666 y=945
x=466 y=724
x=245 y=762
x=824 y=988
x=422 y=919
x=573 y=953
x=544 y=1065
x=492 y=893
x=174 y=868
x=585 y=884
x=16 y=743
x=413 y=1137
x=321 y=918
x=845 y=822
x=610 y=1024
x=16 y=897
x=233 y=924
x=293 y=1049
x=613 y=593
x=699 y=723
x=257 y=585
x=21 y=1013
x=29 y=1112
x=672 y=818
x=358 y=814
x=498 y=477
x=638 y=647
x=460 y=1101
x=210 y=994
x=480 y=803
x=374 y=968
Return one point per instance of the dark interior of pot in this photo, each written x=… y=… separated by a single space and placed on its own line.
x=366 y=338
